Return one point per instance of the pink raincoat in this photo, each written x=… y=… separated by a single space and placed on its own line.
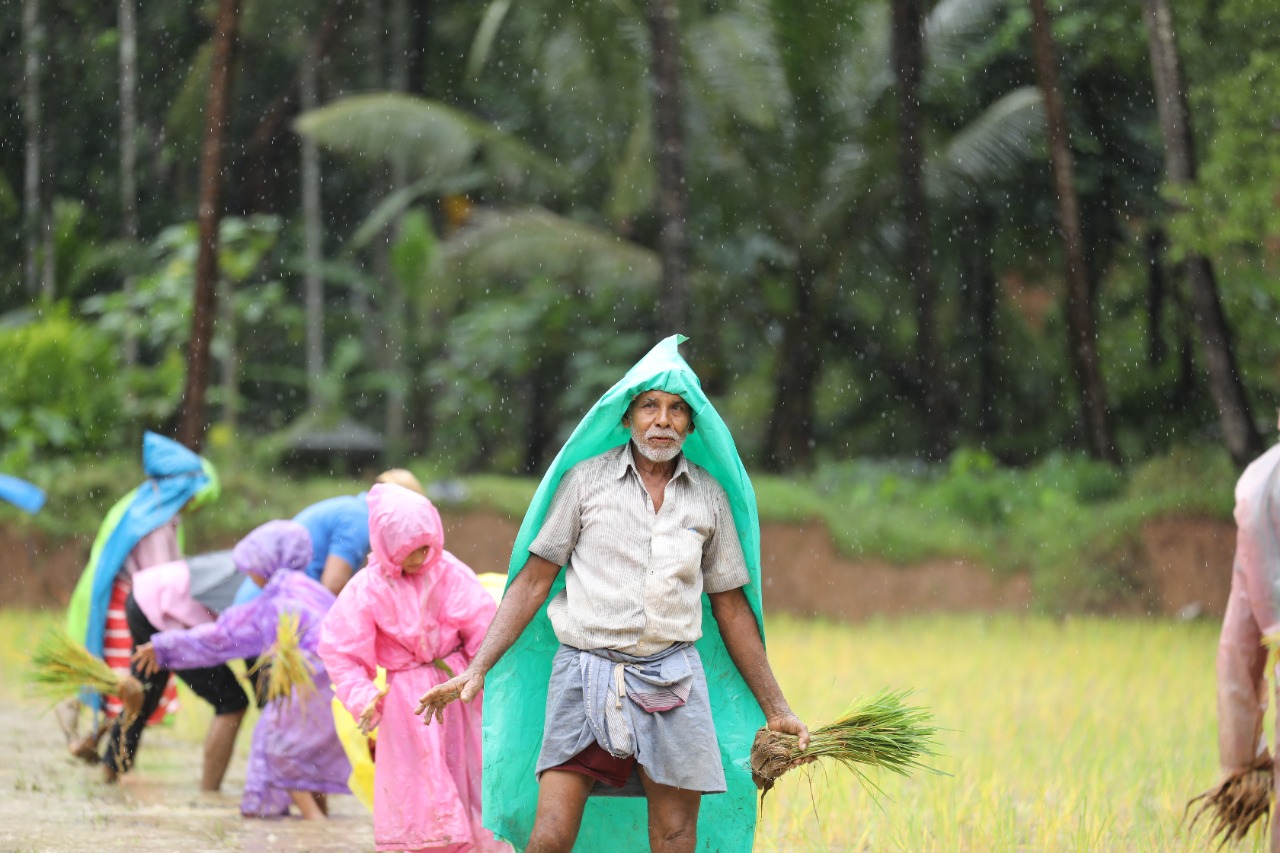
x=421 y=628
x=1253 y=612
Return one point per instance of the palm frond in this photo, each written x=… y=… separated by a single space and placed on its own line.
x=633 y=179
x=431 y=141
x=952 y=30
x=494 y=14
x=533 y=243
x=992 y=146
x=735 y=61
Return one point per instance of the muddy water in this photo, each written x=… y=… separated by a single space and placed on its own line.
x=51 y=803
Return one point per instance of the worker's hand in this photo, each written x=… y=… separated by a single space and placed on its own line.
x=371 y=710
x=465 y=687
x=789 y=723
x=144 y=658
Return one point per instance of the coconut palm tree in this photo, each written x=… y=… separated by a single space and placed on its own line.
x=819 y=154
x=191 y=425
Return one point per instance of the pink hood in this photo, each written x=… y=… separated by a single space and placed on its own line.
x=401 y=522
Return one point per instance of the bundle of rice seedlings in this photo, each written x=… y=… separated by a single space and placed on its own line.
x=290 y=673
x=61 y=668
x=880 y=732
x=1235 y=803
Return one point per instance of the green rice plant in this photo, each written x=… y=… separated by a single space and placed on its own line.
x=61 y=668
x=881 y=732
x=1060 y=735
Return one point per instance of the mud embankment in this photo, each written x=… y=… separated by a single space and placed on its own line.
x=1181 y=565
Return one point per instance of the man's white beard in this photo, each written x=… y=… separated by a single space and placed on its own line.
x=657 y=454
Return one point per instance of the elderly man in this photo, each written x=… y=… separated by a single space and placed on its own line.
x=617 y=702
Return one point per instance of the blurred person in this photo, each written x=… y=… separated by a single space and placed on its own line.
x=339 y=531
x=171 y=597
x=141 y=530
x=295 y=756
x=419 y=613
x=642 y=527
x=1252 y=618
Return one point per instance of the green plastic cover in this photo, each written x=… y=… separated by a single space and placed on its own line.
x=516 y=689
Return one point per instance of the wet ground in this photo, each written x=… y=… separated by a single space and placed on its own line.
x=52 y=803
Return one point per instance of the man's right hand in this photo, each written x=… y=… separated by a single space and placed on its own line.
x=465 y=687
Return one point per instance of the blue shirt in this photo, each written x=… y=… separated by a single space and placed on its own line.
x=339 y=527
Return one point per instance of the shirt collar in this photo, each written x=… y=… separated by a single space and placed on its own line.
x=626 y=461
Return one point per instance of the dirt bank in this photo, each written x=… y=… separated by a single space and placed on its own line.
x=1180 y=565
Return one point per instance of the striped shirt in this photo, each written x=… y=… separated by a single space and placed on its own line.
x=634 y=578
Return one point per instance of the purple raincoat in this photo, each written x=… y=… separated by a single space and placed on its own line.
x=295 y=746
x=426 y=778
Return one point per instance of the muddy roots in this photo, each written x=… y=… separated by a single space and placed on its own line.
x=1236 y=803
x=772 y=754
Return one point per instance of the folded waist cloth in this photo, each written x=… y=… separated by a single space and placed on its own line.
x=655 y=708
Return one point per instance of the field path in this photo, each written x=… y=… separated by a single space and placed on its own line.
x=51 y=803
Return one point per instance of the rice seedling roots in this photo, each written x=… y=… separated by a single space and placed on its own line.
x=1236 y=803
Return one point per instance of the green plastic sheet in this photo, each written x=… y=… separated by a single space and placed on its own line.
x=516 y=689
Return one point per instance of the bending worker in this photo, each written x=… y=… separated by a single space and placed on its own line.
x=1253 y=613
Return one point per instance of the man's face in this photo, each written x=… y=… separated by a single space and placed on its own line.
x=659 y=423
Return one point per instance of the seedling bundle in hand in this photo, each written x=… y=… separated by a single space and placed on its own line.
x=880 y=732
x=290 y=673
x=61 y=668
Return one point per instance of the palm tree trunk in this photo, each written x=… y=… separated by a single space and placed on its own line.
x=230 y=345
x=908 y=64
x=789 y=437
x=191 y=424
x=1241 y=435
x=128 y=23
x=1156 y=294
x=1081 y=324
x=313 y=231
x=673 y=203
x=32 y=44
x=421 y=20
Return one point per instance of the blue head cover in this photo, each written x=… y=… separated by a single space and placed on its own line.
x=175 y=475
x=25 y=496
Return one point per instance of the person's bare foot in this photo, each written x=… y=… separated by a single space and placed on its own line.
x=67 y=713
x=307 y=805
x=86 y=749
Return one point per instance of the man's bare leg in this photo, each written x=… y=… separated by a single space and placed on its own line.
x=219 y=743
x=673 y=816
x=307 y=805
x=562 y=795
